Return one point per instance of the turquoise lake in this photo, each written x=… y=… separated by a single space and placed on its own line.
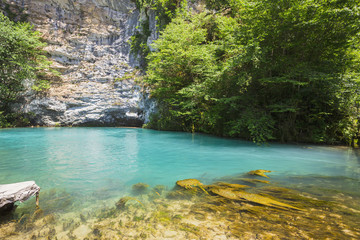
x=89 y=186
x=101 y=162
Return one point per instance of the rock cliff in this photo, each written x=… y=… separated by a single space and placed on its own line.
x=88 y=42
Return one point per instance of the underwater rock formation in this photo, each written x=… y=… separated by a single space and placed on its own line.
x=139 y=188
x=228 y=213
x=259 y=172
x=189 y=183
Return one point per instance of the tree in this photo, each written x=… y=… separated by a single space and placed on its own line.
x=296 y=53
x=261 y=69
x=180 y=70
x=21 y=57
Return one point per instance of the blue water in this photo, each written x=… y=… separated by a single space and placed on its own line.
x=86 y=160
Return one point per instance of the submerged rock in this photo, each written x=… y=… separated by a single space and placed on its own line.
x=159 y=189
x=190 y=184
x=38 y=214
x=181 y=194
x=140 y=188
x=121 y=203
x=252 y=181
x=232 y=185
x=229 y=193
x=259 y=172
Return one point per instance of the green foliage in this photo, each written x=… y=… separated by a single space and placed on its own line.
x=21 y=58
x=260 y=69
x=139 y=40
x=301 y=58
x=142 y=3
x=219 y=5
x=41 y=85
x=180 y=71
x=164 y=11
x=3 y=121
x=11 y=119
x=9 y=10
x=254 y=124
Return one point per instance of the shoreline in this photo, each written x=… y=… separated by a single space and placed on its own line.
x=304 y=144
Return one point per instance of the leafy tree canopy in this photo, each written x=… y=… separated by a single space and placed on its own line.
x=260 y=69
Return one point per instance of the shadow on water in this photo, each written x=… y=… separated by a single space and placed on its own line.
x=357 y=154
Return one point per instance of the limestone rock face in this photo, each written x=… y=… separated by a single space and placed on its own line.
x=88 y=42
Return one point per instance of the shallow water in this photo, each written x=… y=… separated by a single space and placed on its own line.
x=84 y=166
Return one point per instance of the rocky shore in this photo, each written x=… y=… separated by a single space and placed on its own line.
x=235 y=207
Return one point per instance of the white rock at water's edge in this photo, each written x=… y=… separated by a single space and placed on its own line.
x=11 y=193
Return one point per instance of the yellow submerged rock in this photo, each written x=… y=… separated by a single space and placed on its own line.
x=251 y=197
x=232 y=185
x=251 y=180
x=259 y=172
x=190 y=183
x=225 y=192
